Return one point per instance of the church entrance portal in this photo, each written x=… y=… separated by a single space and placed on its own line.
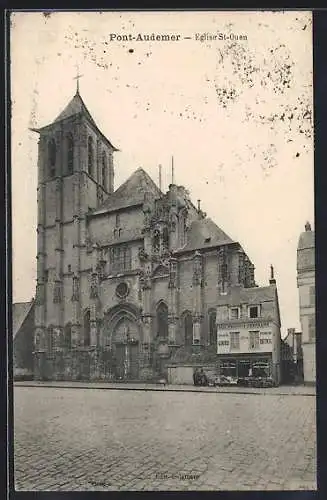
x=123 y=328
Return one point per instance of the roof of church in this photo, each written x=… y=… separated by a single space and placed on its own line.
x=131 y=192
x=77 y=106
x=20 y=311
x=204 y=233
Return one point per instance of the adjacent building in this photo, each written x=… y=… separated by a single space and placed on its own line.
x=306 y=286
x=248 y=333
x=292 y=357
x=23 y=338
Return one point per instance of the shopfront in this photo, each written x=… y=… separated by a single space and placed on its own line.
x=247 y=369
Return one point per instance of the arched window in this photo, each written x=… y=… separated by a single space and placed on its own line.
x=68 y=336
x=104 y=171
x=182 y=228
x=162 y=320
x=70 y=154
x=212 y=327
x=165 y=237
x=90 y=155
x=52 y=154
x=87 y=328
x=50 y=339
x=156 y=240
x=188 y=328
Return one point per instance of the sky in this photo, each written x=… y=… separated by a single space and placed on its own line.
x=235 y=114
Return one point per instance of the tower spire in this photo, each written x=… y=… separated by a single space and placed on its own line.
x=77 y=78
x=172 y=170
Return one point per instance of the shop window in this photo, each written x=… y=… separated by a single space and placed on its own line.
x=228 y=369
x=234 y=340
x=254 y=340
x=244 y=367
x=261 y=369
x=234 y=313
x=254 y=311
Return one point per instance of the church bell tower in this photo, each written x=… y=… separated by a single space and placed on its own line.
x=75 y=175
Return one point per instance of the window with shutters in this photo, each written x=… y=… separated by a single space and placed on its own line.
x=254 y=311
x=234 y=340
x=234 y=313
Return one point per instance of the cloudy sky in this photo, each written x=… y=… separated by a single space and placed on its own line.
x=235 y=114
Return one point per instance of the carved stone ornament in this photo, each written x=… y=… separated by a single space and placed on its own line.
x=197 y=318
x=75 y=295
x=57 y=292
x=94 y=292
x=39 y=296
x=197 y=269
x=143 y=256
x=172 y=273
x=122 y=290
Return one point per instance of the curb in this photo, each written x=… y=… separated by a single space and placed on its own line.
x=163 y=389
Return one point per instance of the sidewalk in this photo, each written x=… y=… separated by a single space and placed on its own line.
x=298 y=390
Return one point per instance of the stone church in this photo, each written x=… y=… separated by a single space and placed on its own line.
x=128 y=279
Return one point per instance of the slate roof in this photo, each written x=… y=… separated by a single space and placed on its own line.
x=74 y=107
x=20 y=311
x=77 y=106
x=204 y=233
x=131 y=192
x=306 y=240
x=254 y=295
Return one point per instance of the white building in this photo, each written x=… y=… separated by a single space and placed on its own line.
x=306 y=286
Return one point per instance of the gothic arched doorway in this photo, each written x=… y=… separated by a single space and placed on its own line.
x=122 y=336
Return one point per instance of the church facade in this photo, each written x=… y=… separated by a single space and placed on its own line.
x=128 y=280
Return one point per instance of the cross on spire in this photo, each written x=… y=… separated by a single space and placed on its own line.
x=77 y=78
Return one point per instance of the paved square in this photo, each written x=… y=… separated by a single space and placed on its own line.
x=93 y=439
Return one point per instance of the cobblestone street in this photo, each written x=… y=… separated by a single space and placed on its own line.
x=79 y=439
